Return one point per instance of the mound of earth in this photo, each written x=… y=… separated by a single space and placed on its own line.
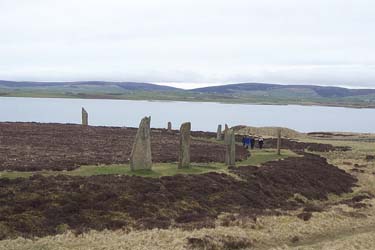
x=272 y=142
x=298 y=146
x=266 y=131
x=301 y=146
x=35 y=146
x=202 y=134
x=41 y=205
x=330 y=134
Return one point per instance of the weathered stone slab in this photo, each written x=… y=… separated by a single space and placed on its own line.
x=226 y=130
x=218 y=133
x=140 y=157
x=230 y=153
x=169 y=127
x=279 y=141
x=85 y=117
x=184 y=155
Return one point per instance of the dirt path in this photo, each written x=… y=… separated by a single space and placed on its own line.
x=321 y=239
x=317 y=241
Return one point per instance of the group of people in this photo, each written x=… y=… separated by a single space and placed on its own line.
x=249 y=141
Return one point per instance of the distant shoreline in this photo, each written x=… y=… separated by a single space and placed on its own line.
x=232 y=101
x=240 y=93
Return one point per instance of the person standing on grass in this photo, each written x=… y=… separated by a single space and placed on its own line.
x=260 y=142
x=245 y=142
x=252 y=142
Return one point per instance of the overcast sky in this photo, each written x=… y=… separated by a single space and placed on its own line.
x=325 y=42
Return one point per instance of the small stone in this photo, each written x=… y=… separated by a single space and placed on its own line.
x=295 y=239
x=370 y=157
x=305 y=216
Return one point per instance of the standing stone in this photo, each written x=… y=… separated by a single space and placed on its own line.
x=140 y=157
x=218 y=135
x=226 y=127
x=278 y=141
x=169 y=127
x=184 y=156
x=85 y=117
x=226 y=142
x=232 y=140
x=230 y=152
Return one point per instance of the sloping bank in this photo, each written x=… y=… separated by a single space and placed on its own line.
x=41 y=206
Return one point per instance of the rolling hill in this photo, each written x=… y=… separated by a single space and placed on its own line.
x=313 y=90
x=259 y=93
x=86 y=85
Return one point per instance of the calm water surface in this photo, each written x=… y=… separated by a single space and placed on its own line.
x=204 y=116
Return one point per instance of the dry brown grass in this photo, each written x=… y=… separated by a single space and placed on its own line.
x=336 y=226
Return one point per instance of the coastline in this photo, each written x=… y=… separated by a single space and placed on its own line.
x=191 y=99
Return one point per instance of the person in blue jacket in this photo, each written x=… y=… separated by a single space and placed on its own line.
x=246 y=141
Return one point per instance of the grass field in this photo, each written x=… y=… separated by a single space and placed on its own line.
x=158 y=169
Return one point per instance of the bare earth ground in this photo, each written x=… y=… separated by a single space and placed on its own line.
x=307 y=221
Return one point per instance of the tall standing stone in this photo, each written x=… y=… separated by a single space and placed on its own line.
x=169 y=127
x=232 y=159
x=226 y=156
x=140 y=157
x=226 y=142
x=184 y=156
x=230 y=152
x=226 y=129
x=218 y=134
x=85 y=117
x=278 y=141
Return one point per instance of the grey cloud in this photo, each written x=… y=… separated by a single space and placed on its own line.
x=293 y=41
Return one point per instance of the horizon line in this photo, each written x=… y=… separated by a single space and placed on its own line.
x=189 y=84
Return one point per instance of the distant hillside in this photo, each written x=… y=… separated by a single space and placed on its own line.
x=87 y=85
x=268 y=89
x=252 y=93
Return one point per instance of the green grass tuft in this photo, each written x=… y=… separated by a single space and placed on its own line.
x=158 y=169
